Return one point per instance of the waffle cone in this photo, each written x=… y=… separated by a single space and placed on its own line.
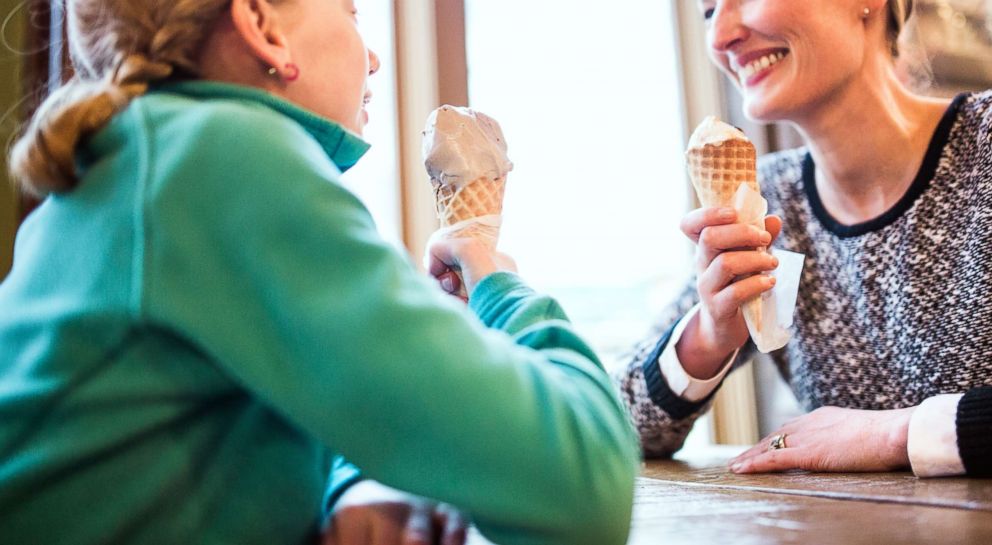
x=481 y=197
x=717 y=171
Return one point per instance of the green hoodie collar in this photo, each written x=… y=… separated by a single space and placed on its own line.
x=343 y=147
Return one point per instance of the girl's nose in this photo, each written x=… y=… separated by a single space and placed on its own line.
x=374 y=63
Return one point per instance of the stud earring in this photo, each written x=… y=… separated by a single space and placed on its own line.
x=866 y=13
x=273 y=71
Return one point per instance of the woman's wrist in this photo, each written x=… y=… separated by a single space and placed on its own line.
x=701 y=357
x=897 y=437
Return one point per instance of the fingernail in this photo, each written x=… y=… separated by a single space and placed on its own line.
x=766 y=237
x=447 y=284
x=775 y=262
x=728 y=213
x=736 y=468
x=771 y=280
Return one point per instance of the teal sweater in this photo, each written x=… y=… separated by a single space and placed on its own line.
x=193 y=340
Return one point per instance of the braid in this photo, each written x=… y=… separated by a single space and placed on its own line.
x=118 y=48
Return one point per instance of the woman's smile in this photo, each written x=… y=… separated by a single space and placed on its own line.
x=754 y=67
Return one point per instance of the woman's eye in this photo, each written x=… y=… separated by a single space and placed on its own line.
x=708 y=14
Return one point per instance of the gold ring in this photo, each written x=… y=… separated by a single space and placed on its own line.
x=777 y=442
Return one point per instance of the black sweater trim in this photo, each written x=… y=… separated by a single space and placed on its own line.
x=659 y=390
x=974 y=425
x=931 y=160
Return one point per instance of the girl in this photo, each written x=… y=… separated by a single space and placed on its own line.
x=202 y=324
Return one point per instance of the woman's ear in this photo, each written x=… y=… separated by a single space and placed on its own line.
x=257 y=22
x=876 y=6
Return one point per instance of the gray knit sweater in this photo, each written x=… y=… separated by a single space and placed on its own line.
x=890 y=312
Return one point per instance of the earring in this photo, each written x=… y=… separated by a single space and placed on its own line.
x=294 y=72
x=866 y=13
x=292 y=75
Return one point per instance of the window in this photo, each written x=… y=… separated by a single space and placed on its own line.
x=375 y=179
x=588 y=95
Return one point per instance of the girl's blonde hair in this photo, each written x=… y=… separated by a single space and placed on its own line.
x=118 y=48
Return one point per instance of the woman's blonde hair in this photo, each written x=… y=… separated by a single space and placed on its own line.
x=907 y=46
x=900 y=12
x=117 y=48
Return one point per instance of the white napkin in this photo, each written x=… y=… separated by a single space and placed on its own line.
x=778 y=305
x=485 y=228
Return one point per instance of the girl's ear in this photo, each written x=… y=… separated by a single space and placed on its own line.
x=257 y=22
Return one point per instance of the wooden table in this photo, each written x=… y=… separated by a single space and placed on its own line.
x=694 y=500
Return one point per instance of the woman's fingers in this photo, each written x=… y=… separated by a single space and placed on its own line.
x=773 y=224
x=696 y=221
x=729 y=266
x=726 y=303
x=791 y=441
x=734 y=236
x=772 y=462
x=714 y=241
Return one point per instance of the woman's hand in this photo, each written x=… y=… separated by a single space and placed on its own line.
x=458 y=262
x=730 y=272
x=369 y=513
x=832 y=439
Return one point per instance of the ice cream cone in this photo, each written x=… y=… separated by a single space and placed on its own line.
x=720 y=160
x=717 y=171
x=465 y=156
x=481 y=197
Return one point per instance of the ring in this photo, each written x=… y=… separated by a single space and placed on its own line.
x=777 y=442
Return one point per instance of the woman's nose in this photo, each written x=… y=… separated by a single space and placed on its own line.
x=726 y=27
x=374 y=64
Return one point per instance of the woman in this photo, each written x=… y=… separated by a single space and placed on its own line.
x=889 y=200
x=201 y=322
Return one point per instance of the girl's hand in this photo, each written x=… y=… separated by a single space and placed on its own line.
x=730 y=272
x=832 y=439
x=458 y=262
x=369 y=513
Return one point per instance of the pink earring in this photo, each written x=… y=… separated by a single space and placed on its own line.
x=294 y=72
x=293 y=75
x=866 y=13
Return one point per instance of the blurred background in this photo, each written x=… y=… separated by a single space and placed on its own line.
x=596 y=101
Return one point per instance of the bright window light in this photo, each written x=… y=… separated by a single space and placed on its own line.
x=588 y=95
x=375 y=179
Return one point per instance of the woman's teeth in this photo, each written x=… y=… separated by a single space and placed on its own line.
x=757 y=65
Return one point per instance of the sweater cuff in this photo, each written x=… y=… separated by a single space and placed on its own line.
x=679 y=380
x=489 y=299
x=659 y=390
x=974 y=429
x=932 y=440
